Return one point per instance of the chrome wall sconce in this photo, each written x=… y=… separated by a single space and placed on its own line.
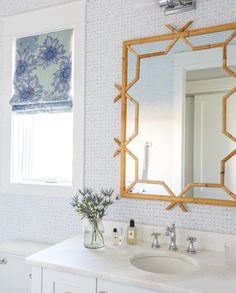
x=176 y=6
x=170 y=6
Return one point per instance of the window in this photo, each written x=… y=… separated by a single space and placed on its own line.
x=42 y=146
x=43 y=101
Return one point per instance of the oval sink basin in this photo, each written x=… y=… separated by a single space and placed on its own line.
x=165 y=263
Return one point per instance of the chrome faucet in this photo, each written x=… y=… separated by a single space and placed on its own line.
x=170 y=231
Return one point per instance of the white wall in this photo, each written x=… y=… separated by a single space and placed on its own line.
x=109 y=22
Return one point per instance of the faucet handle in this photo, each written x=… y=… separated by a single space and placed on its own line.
x=171 y=228
x=191 y=239
x=191 y=248
x=156 y=234
x=155 y=242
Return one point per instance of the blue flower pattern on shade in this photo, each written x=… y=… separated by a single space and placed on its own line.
x=33 y=57
x=62 y=76
x=28 y=89
x=50 y=52
x=25 y=64
x=29 y=44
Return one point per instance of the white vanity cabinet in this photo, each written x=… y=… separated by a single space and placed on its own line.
x=59 y=282
x=15 y=274
x=69 y=267
x=112 y=287
x=49 y=281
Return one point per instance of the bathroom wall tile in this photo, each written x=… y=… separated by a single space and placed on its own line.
x=109 y=22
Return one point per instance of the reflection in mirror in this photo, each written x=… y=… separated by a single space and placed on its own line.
x=210 y=39
x=206 y=192
x=153 y=144
x=174 y=115
x=131 y=70
x=130 y=128
x=154 y=47
x=230 y=171
x=130 y=163
x=205 y=144
x=144 y=188
x=231 y=117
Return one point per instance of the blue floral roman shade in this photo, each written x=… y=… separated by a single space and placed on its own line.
x=43 y=69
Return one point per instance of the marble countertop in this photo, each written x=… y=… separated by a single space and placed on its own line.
x=113 y=263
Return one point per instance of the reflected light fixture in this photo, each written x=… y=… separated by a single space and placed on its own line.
x=170 y=6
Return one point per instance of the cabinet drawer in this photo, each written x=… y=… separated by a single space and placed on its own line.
x=58 y=282
x=112 y=287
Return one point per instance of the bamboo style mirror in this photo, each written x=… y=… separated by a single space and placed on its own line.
x=178 y=117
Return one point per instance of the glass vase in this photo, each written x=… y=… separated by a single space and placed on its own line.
x=93 y=234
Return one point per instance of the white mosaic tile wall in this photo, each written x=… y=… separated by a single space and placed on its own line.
x=109 y=22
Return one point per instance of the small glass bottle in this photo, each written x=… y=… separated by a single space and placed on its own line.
x=120 y=237
x=132 y=237
x=115 y=237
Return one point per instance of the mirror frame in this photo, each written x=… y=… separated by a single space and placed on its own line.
x=175 y=35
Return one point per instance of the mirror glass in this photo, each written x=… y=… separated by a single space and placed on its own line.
x=175 y=106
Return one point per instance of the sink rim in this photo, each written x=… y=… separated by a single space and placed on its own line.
x=172 y=255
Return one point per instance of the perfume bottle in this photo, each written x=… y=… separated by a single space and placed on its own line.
x=132 y=233
x=115 y=237
x=121 y=237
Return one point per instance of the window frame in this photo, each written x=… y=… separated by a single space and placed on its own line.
x=71 y=15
